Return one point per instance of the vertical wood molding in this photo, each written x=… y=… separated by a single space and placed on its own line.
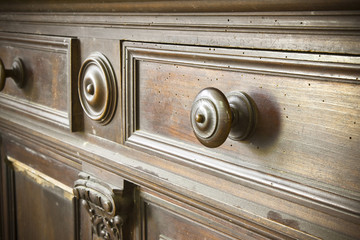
x=7 y=198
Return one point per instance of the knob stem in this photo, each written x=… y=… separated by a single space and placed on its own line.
x=244 y=115
x=16 y=73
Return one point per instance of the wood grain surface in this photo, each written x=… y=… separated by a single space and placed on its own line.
x=47 y=94
x=296 y=178
x=308 y=112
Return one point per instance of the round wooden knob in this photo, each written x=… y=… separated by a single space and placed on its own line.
x=16 y=73
x=215 y=116
x=97 y=88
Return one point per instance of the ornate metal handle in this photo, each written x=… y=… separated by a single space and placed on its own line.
x=16 y=73
x=215 y=116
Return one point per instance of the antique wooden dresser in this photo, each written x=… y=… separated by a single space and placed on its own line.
x=168 y=120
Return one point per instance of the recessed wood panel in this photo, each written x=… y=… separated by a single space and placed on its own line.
x=308 y=133
x=44 y=207
x=49 y=93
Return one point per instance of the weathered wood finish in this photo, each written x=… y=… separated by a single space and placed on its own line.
x=288 y=31
x=180 y=5
x=303 y=128
x=296 y=178
x=47 y=94
x=188 y=222
x=37 y=195
x=111 y=50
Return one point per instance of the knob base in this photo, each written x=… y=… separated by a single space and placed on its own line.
x=244 y=113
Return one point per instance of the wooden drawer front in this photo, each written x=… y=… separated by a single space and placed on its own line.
x=307 y=141
x=47 y=95
x=162 y=224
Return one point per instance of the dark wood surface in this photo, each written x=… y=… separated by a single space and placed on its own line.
x=179 y=6
x=296 y=178
x=41 y=199
x=36 y=203
x=303 y=128
x=48 y=69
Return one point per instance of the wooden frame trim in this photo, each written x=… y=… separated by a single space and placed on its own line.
x=184 y=6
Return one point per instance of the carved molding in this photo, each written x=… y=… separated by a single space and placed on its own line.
x=107 y=206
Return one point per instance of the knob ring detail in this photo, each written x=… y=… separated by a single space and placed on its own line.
x=220 y=117
x=214 y=116
x=97 y=88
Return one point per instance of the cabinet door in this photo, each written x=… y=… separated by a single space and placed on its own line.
x=167 y=218
x=35 y=205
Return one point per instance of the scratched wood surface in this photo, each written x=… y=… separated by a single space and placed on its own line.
x=46 y=68
x=306 y=128
x=41 y=204
x=177 y=6
x=296 y=178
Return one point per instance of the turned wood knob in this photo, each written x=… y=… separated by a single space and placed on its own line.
x=16 y=73
x=97 y=88
x=215 y=116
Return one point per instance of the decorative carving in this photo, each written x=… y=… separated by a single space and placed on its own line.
x=107 y=206
x=97 y=88
x=102 y=226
